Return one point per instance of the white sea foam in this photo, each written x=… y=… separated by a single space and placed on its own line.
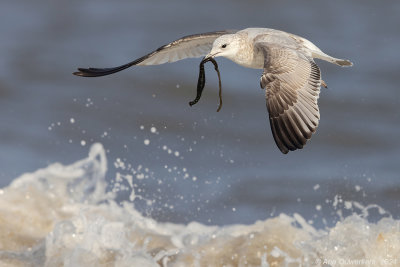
x=62 y=216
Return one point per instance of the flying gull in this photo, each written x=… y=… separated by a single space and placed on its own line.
x=290 y=77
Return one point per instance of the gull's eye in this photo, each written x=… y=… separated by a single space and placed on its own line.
x=224 y=45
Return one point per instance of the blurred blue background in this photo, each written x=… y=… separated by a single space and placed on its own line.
x=216 y=168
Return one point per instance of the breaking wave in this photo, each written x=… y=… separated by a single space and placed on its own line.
x=65 y=216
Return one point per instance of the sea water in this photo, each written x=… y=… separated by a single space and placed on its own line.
x=63 y=215
x=186 y=185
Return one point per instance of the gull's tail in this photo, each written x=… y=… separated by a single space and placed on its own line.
x=96 y=72
x=343 y=62
x=337 y=61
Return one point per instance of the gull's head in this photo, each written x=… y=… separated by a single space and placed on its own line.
x=225 y=46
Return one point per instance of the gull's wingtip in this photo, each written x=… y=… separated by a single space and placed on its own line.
x=97 y=72
x=79 y=72
x=284 y=152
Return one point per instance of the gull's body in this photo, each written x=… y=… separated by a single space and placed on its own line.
x=291 y=78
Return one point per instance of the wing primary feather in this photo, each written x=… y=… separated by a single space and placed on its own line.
x=278 y=141
x=298 y=133
x=304 y=117
x=301 y=124
x=284 y=134
x=97 y=72
x=312 y=115
x=294 y=136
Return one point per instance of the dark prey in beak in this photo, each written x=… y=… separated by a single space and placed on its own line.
x=202 y=81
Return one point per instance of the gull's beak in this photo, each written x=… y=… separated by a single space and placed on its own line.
x=210 y=55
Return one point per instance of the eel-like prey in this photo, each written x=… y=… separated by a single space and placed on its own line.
x=202 y=81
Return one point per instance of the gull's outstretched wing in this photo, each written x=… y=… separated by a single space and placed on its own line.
x=292 y=81
x=190 y=46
